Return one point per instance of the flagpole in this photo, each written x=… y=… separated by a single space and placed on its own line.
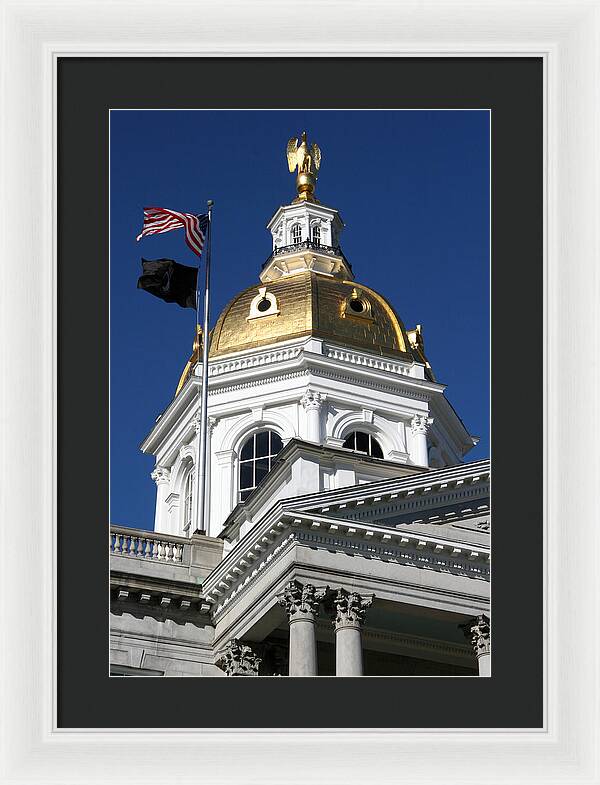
x=201 y=476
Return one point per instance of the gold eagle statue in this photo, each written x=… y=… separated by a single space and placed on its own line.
x=307 y=159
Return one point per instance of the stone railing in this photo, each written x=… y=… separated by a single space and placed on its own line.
x=355 y=358
x=140 y=544
x=253 y=361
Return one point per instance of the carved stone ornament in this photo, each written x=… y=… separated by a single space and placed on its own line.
x=311 y=400
x=478 y=632
x=420 y=423
x=302 y=601
x=351 y=608
x=238 y=659
x=196 y=422
x=161 y=475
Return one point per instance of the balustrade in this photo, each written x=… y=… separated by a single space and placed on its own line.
x=146 y=545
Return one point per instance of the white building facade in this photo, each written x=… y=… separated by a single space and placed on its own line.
x=329 y=437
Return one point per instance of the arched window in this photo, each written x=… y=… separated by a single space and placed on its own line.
x=363 y=442
x=296 y=234
x=188 y=499
x=316 y=234
x=256 y=458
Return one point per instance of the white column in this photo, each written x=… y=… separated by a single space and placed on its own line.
x=224 y=481
x=479 y=632
x=312 y=403
x=419 y=425
x=162 y=478
x=350 y=615
x=301 y=603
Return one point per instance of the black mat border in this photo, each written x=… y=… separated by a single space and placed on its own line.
x=513 y=89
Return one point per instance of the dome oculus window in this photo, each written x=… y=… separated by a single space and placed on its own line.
x=358 y=305
x=264 y=304
x=363 y=442
x=256 y=458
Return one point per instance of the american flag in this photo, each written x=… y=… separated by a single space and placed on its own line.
x=158 y=220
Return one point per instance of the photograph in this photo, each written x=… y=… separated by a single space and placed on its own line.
x=300 y=462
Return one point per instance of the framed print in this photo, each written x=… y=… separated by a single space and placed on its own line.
x=272 y=576
x=307 y=387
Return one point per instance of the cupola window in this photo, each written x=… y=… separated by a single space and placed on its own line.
x=256 y=458
x=296 y=234
x=363 y=442
x=316 y=234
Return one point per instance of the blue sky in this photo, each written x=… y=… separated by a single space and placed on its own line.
x=412 y=188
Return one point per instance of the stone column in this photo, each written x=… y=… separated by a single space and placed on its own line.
x=301 y=603
x=419 y=425
x=478 y=631
x=350 y=614
x=162 y=478
x=238 y=659
x=312 y=403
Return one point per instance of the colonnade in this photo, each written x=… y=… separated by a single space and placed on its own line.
x=302 y=603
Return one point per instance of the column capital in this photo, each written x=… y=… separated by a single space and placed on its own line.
x=478 y=631
x=161 y=475
x=301 y=601
x=211 y=422
x=312 y=400
x=420 y=423
x=351 y=608
x=238 y=659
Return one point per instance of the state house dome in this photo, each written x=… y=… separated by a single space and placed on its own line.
x=309 y=304
x=307 y=287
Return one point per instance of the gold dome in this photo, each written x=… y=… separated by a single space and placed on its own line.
x=308 y=304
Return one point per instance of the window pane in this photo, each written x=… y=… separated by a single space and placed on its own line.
x=247 y=449
x=244 y=494
x=350 y=443
x=276 y=443
x=262 y=444
x=246 y=475
x=362 y=441
x=262 y=469
x=376 y=450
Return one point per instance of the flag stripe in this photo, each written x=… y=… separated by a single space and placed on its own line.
x=158 y=220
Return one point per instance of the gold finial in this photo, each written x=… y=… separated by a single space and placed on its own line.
x=308 y=161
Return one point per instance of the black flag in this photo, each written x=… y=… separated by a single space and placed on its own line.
x=169 y=280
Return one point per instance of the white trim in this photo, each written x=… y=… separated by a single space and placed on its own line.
x=247 y=425
x=566 y=34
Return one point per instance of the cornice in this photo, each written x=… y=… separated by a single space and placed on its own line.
x=161 y=595
x=427 y=482
x=268 y=540
x=421 y=501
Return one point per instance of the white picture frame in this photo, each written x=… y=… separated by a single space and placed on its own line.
x=566 y=34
